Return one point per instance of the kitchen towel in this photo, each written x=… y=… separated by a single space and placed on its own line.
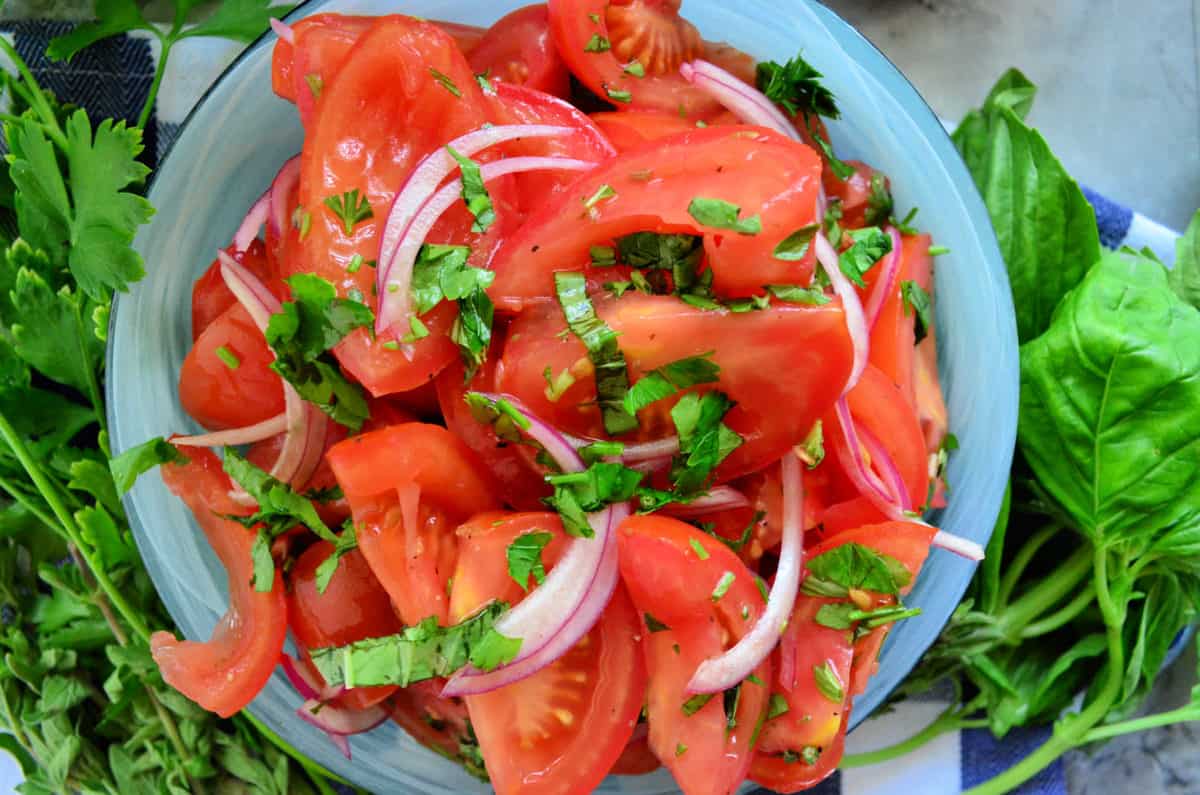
x=112 y=78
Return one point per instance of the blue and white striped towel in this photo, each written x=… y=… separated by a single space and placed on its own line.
x=112 y=78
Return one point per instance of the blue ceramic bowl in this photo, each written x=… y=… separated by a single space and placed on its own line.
x=239 y=135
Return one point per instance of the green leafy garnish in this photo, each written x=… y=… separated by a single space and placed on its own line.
x=445 y=82
x=419 y=653
x=611 y=371
x=853 y=566
x=828 y=683
x=351 y=208
x=777 y=706
x=618 y=94
x=228 y=357
x=917 y=302
x=653 y=624
x=1184 y=278
x=812 y=449
x=698 y=548
x=845 y=615
x=525 y=557
x=668 y=380
x=441 y=273
x=635 y=68
x=602 y=193
x=868 y=247
x=696 y=703
x=796 y=85
x=597 y=43
x=795 y=246
x=472 y=329
x=474 y=192
x=577 y=494
x=720 y=214
x=704 y=439
x=795 y=294
x=347 y=542
x=722 y=586
x=142 y=458
x=556 y=385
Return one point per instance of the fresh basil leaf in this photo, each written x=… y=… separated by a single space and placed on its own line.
x=868 y=247
x=812 y=449
x=1107 y=422
x=1045 y=227
x=917 y=302
x=347 y=542
x=277 y=502
x=829 y=684
x=720 y=214
x=854 y=566
x=142 y=458
x=722 y=586
x=668 y=380
x=795 y=246
x=778 y=705
x=524 y=556
x=704 y=439
x=611 y=370
x=653 y=624
x=474 y=192
x=795 y=294
x=472 y=330
x=264 y=563
x=441 y=272
x=577 y=494
x=1185 y=276
x=677 y=254
x=696 y=703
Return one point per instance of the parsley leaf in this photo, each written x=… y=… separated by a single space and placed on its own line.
x=795 y=246
x=796 y=85
x=351 y=208
x=474 y=193
x=868 y=247
x=917 y=301
x=577 y=494
x=880 y=204
x=828 y=683
x=441 y=272
x=795 y=294
x=812 y=449
x=279 y=506
x=720 y=214
x=677 y=254
x=722 y=586
x=704 y=440
x=419 y=653
x=142 y=458
x=778 y=705
x=597 y=43
x=524 y=556
x=696 y=703
x=854 y=566
x=611 y=370
x=653 y=624
x=665 y=381
x=556 y=385
x=472 y=329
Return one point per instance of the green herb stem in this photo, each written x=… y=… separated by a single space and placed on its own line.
x=1062 y=616
x=952 y=719
x=32 y=94
x=53 y=499
x=1012 y=574
x=1046 y=594
x=24 y=501
x=1188 y=712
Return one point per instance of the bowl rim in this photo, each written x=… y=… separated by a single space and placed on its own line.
x=865 y=704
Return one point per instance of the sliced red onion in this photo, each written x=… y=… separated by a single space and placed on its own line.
x=249 y=290
x=247 y=230
x=339 y=723
x=632 y=454
x=281 y=190
x=747 y=103
x=395 y=280
x=885 y=285
x=578 y=625
x=719 y=498
x=963 y=547
x=302 y=680
x=726 y=670
x=787 y=656
x=283 y=30
x=569 y=587
x=235 y=436
x=860 y=474
x=888 y=473
x=856 y=322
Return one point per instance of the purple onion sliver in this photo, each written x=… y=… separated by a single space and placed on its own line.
x=719 y=498
x=283 y=30
x=857 y=470
x=281 y=190
x=236 y=436
x=963 y=547
x=889 y=473
x=886 y=283
x=299 y=678
x=247 y=230
x=856 y=323
x=339 y=720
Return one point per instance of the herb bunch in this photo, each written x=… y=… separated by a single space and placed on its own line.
x=1094 y=566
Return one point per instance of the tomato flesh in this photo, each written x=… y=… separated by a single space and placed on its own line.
x=518 y=50
x=210 y=296
x=224 y=673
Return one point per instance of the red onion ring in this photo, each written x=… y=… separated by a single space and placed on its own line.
x=787 y=656
x=856 y=323
x=569 y=588
x=395 y=294
x=885 y=285
x=726 y=670
x=235 y=436
x=339 y=723
x=247 y=230
x=888 y=473
x=860 y=474
x=719 y=498
x=963 y=547
x=281 y=189
x=747 y=103
x=299 y=678
x=283 y=30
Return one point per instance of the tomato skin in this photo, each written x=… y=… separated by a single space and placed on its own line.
x=353 y=607
x=518 y=49
x=218 y=397
x=784 y=366
x=651 y=32
x=637 y=759
x=224 y=673
x=210 y=296
x=667 y=579
x=529 y=748
x=763 y=172
x=778 y=775
x=631 y=129
x=380 y=114
x=411 y=474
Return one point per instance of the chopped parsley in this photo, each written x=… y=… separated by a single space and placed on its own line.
x=611 y=370
x=474 y=193
x=635 y=68
x=698 y=548
x=796 y=86
x=736 y=544
x=937 y=251
x=556 y=385
x=854 y=566
x=880 y=204
x=722 y=586
x=597 y=43
x=795 y=294
x=576 y=494
x=315 y=84
x=602 y=193
x=351 y=208
x=525 y=558
x=603 y=256
x=845 y=615
x=446 y=82
x=704 y=439
x=696 y=703
x=441 y=272
x=720 y=214
x=618 y=94
x=828 y=683
x=869 y=245
x=795 y=246
x=668 y=380
x=653 y=624
x=472 y=329
x=680 y=750
x=228 y=357
x=917 y=302
x=812 y=450
x=777 y=706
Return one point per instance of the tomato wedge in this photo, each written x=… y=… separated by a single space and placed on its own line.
x=210 y=296
x=390 y=104
x=222 y=392
x=224 y=673
x=784 y=366
x=409 y=486
x=559 y=731
x=354 y=606
x=707 y=602
x=518 y=50
x=761 y=172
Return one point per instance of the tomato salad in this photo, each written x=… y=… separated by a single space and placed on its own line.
x=578 y=405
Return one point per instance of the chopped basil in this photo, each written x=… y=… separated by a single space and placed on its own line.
x=698 y=548
x=842 y=171
x=603 y=256
x=795 y=294
x=904 y=226
x=351 y=208
x=846 y=615
x=446 y=82
x=720 y=214
x=778 y=705
x=315 y=84
x=868 y=247
x=795 y=246
x=653 y=624
x=618 y=94
x=854 y=566
x=441 y=272
x=611 y=370
x=577 y=494
x=736 y=544
x=730 y=699
x=474 y=192
x=668 y=380
x=597 y=43
x=556 y=385
x=302 y=220
x=355 y=264
x=485 y=82
x=704 y=440
x=812 y=449
x=598 y=451
x=828 y=683
x=753 y=678
x=618 y=289
x=228 y=357
x=917 y=302
x=696 y=703
x=346 y=542
x=417 y=330
x=524 y=556
x=263 y=563
x=505 y=419
x=937 y=251
x=880 y=204
x=419 y=653
x=603 y=192
x=472 y=329
x=635 y=68
x=722 y=586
